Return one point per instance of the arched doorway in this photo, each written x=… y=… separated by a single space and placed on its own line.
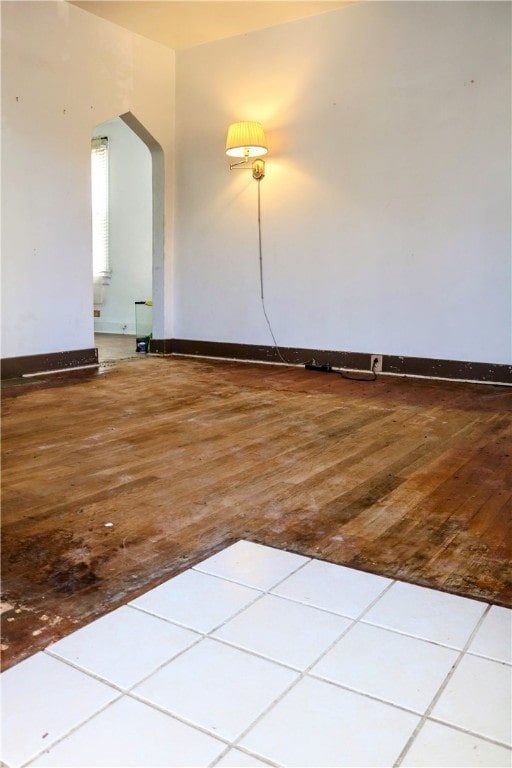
x=135 y=236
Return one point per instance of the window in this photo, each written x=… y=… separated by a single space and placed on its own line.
x=100 y=213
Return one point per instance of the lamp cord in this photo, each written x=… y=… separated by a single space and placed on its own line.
x=341 y=373
x=262 y=294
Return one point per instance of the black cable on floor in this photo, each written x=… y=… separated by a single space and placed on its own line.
x=344 y=375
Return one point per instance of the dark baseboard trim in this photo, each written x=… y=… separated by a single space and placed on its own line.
x=161 y=346
x=494 y=373
x=15 y=367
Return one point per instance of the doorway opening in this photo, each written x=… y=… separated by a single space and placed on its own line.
x=134 y=234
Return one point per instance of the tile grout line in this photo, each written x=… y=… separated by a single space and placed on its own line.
x=489 y=658
x=301 y=673
x=181 y=719
x=460 y=728
x=358 y=619
x=115 y=686
x=130 y=690
x=209 y=633
x=201 y=635
x=234 y=744
x=419 y=637
x=230 y=744
x=76 y=727
x=441 y=690
x=306 y=671
x=266 y=590
x=247 y=752
x=286 y=665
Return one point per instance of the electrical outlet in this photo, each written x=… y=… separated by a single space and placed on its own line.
x=376 y=363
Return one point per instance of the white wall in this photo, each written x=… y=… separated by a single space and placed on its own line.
x=386 y=205
x=64 y=71
x=130 y=228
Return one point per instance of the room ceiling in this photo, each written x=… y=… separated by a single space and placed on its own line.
x=182 y=24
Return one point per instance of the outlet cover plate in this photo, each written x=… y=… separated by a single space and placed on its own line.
x=378 y=365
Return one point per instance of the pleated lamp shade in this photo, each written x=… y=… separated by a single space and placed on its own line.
x=246 y=140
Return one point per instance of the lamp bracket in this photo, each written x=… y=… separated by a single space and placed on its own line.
x=257 y=167
x=240 y=162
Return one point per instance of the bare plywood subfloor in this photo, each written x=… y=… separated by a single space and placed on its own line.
x=116 y=482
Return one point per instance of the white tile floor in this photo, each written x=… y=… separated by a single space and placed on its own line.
x=260 y=657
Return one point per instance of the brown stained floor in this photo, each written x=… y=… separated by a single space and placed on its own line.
x=116 y=481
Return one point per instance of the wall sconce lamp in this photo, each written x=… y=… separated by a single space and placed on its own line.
x=247 y=140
